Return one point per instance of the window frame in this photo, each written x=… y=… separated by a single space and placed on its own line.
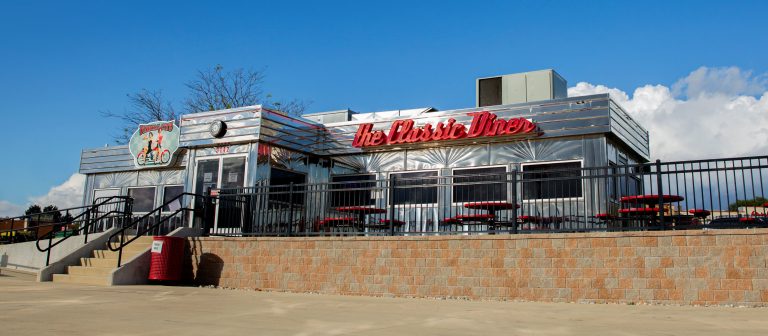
x=437 y=188
x=453 y=175
x=165 y=186
x=372 y=192
x=303 y=200
x=154 y=197
x=557 y=199
x=93 y=193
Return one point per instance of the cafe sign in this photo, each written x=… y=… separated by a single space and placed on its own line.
x=154 y=144
x=484 y=124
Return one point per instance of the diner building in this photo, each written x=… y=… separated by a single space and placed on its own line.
x=523 y=122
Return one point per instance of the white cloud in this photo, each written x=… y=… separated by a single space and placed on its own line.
x=66 y=195
x=8 y=209
x=712 y=112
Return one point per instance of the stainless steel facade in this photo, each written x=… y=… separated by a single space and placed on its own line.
x=591 y=129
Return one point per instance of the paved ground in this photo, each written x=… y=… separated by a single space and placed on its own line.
x=30 y=308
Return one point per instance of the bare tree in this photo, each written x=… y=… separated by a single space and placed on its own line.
x=212 y=89
x=293 y=107
x=146 y=106
x=216 y=89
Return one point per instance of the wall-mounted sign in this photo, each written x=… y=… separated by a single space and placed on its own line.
x=484 y=124
x=153 y=144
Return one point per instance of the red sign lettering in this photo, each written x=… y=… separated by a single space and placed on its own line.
x=484 y=124
x=221 y=149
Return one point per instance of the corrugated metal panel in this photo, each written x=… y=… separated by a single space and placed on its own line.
x=629 y=131
x=243 y=125
x=116 y=159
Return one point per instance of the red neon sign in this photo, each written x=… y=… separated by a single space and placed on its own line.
x=484 y=124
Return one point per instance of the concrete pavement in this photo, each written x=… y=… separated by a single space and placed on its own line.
x=31 y=308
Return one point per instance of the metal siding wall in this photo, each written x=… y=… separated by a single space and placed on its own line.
x=629 y=132
x=448 y=157
x=243 y=125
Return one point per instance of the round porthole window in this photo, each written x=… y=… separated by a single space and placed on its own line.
x=218 y=128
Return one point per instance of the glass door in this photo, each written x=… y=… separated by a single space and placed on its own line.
x=207 y=176
x=226 y=172
x=232 y=201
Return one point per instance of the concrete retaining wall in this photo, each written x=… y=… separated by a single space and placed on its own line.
x=26 y=257
x=671 y=267
x=135 y=271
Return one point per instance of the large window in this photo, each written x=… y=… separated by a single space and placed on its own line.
x=415 y=188
x=100 y=195
x=480 y=184
x=551 y=180
x=143 y=198
x=355 y=190
x=169 y=193
x=280 y=191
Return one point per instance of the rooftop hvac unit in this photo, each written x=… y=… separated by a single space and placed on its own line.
x=521 y=88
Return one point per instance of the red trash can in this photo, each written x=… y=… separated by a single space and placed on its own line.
x=167 y=258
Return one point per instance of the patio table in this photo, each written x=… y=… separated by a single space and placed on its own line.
x=651 y=199
x=491 y=208
x=651 y=207
x=361 y=212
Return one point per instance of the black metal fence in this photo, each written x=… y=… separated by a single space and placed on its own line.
x=701 y=194
x=103 y=214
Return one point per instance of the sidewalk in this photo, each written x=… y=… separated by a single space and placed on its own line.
x=30 y=308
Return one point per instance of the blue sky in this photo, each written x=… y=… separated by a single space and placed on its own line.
x=63 y=62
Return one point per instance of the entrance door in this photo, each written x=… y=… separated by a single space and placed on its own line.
x=226 y=172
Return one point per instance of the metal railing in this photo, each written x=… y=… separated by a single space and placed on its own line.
x=63 y=224
x=162 y=220
x=30 y=227
x=700 y=194
x=104 y=214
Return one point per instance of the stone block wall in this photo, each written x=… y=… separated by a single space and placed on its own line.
x=712 y=267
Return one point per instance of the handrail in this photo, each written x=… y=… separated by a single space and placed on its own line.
x=49 y=235
x=31 y=217
x=86 y=224
x=139 y=233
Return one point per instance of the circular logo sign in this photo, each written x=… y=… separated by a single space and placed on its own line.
x=217 y=129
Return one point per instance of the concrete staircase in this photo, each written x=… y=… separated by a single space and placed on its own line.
x=96 y=270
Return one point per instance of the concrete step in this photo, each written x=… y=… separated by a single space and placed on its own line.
x=128 y=252
x=89 y=271
x=81 y=279
x=132 y=247
x=98 y=262
x=140 y=240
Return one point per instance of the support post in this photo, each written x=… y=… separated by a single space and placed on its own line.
x=290 y=209
x=514 y=200
x=392 y=205
x=660 y=190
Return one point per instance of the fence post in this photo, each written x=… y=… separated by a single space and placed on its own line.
x=86 y=224
x=290 y=209
x=660 y=190
x=392 y=205
x=206 y=212
x=514 y=200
